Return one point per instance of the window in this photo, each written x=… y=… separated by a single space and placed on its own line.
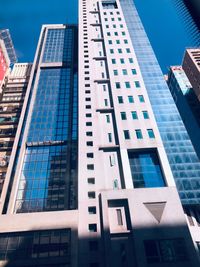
x=88 y=115
x=108 y=118
x=89 y=143
x=123 y=115
x=124 y=72
x=91 y=181
x=128 y=50
x=127 y=84
x=108 y=33
x=116 y=33
x=133 y=71
x=107 y=26
x=104 y=87
x=90 y=155
x=88 y=123
x=166 y=250
x=90 y=166
x=112 y=19
x=125 y=41
x=130 y=60
x=141 y=98
x=88 y=133
x=110 y=41
x=130 y=99
x=91 y=194
x=92 y=227
x=113 y=61
x=106 y=19
x=106 y=102
x=119 y=50
x=117 y=41
x=114 y=26
x=118 y=86
x=92 y=210
x=138 y=133
x=134 y=115
x=137 y=84
x=146 y=169
x=121 y=26
x=123 y=33
x=145 y=114
x=150 y=133
x=126 y=134
x=120 y=100
x=122 y=61
x=110 y=137
x=111 y=51
x=119 y=19
x=119 y=217
x=115 y=72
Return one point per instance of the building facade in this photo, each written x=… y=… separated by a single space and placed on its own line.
x=11 y=102
x=89 y=182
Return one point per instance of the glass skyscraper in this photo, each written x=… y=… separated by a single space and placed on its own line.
x=89 y=182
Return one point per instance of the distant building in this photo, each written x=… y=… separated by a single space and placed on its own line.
x=191 y=66
x=186 y=102
x=11 y=102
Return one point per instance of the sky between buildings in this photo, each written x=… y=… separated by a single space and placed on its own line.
x=164 y=26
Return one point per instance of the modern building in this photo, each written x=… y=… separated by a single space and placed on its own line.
x=7 y=53
x=98 y=153
x=11 y=102
x=191 y=66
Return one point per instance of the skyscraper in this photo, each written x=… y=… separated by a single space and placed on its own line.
x=89 y=182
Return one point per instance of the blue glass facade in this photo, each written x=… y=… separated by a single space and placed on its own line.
x=183 y=160
x=48 y=176
x=146 y=169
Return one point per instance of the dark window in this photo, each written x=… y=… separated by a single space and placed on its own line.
x=92 y=227
x=91 y=181
x=92 y=210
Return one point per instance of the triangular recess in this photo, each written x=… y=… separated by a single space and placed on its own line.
x=156 y=209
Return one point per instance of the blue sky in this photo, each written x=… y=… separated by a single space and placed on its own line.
x=163 y=25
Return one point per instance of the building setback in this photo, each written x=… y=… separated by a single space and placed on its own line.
x=89 y=181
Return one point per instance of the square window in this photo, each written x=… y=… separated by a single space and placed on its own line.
x=141 y=98
x=113 y=61
x=127 y=84
x=117 y=84
x=138 y=133
x=90 y=155
x=89 y=133
x=115 y=72
x=89 y=143
x=123 y=115
x=114 y=26
x=145 y=114
x=107 y=26
x=120 y=100
x=134 y=115
x=137 y=84
x=91 y=195
x=133 y=71
x=124 y=72
x=90 y=166
x=125 y=41
x=110 y=41
x=92 y=210
x=119 y=19
x=121 y=26
x=126 y=134
x=92 y=227
x=112 y=19
x=106 y=19
x=117 y=41
x=116 y=33
x=130 y=99
x=122 y=60
x=112 y=51
x=130 y=60
x=108 y=33
x=123 y=33
x=120 y=51
x=128 y=50
x=150 y=133
x=91 y=181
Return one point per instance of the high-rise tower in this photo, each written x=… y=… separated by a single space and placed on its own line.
x=103 y=193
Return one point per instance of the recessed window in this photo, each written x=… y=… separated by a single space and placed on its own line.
x=121 y=26
x=87 y=99
x=114 y=26
x=124 y=72
x=113 y=61
x=141 y=98
x=145 y=114
x=123 y=115
x=112 y=51
x=137 y=84
x=126 y=134
x=128 y=50
x=106 y=19
x=107 y=26
x=117 y=84
x=90 y=166
x=120 y=100
x=119 y=50
x=108 y=33
x=106 y=102
x=130 y=60
x=127 y=85
x=110 y=41
x=122 y=60
x=150 y=133
x=116 y=33
x=92 y=210
x=125 y=41
x=133 y=71
x=138 y=133
x=90 y=155
x=112 y=19
x=91 y=194
x=130 y=99
x=88 y=115
x=87 y=91
x=89 y=143
x=115 y=72
x=134 y=115
x=89 y=134
x=88 y=106
x=88 y=123
x=123 y=33
x=110 y=137
x=119 y=19
x=108 y=118
x=91 y=181
x=117 y=41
